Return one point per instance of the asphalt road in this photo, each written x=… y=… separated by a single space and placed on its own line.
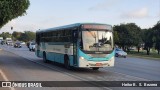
x=138 y=67
x=16 y=68
x=18 y=64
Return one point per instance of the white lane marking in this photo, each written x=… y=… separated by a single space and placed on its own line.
x=5 y=78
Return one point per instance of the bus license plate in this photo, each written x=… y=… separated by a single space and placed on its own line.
x=98 y=64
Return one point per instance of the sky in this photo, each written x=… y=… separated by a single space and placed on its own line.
x=43 y=14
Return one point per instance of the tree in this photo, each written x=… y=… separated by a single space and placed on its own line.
x=148 y=39
x=5 y=35
x=27 y=36
x=127 y=35
x=120 y=34
x=16 y=35
x=116 y=37
x=11 y=9
x=135 y=36
x=156 y=30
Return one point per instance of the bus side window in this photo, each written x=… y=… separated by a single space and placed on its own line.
x=38 y=39
x=75 y=34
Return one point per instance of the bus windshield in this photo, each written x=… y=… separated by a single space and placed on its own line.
x=96 y=40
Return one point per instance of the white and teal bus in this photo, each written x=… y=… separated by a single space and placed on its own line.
x=77 y=45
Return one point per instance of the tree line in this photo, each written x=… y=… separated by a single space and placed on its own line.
x=125 y=36
x=129 y=35
x=20 y=36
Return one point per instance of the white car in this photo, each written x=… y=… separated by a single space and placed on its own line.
x=23 y=43
x=120 y=53
x=31 y=46
x=10 y=43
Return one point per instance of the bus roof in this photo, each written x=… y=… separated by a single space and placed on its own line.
x=69 y=26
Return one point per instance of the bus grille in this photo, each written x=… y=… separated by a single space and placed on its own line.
x=97 y=55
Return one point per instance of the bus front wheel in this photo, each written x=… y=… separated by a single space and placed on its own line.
x=66 y=62
x=44 y=58
x=95 y=68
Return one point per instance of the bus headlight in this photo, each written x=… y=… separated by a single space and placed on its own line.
x=81 y=58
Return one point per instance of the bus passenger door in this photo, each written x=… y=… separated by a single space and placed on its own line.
x=74 y=38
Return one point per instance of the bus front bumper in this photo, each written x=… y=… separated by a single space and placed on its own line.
x=85 y=63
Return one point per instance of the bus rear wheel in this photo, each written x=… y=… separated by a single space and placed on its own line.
x=44 y=58
x=66 y=62
x=95 y=68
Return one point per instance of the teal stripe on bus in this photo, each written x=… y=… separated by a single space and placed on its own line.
x=89 y=58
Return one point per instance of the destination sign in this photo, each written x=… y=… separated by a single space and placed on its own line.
x=88 y=26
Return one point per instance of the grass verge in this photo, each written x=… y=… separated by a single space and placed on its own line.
x=143 y=54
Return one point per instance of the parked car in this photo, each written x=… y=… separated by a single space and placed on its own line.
x=2 y=42
x=120 y=53
x=17 y=45
x=31 y=46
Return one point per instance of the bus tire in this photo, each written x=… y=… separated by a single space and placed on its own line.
x=44 y=58
x=116 y=55
x=33 y=49
x=95 y=68
x=66 y=62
